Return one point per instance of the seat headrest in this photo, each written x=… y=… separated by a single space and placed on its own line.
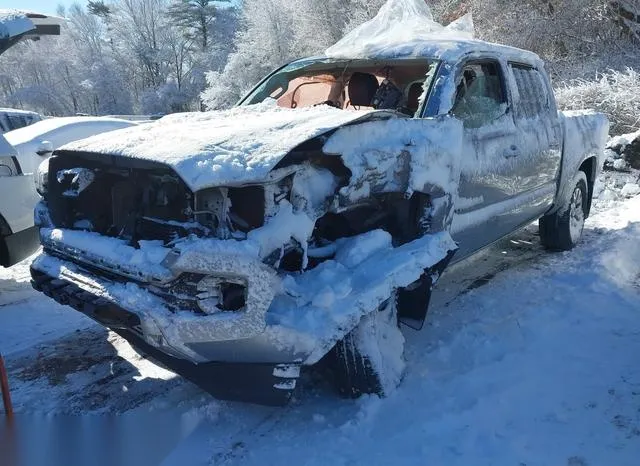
x=413 y=95
x=362 y=89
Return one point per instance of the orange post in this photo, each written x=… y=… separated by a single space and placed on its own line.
x=4 y=384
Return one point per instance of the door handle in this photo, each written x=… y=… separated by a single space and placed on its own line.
x=511 y=152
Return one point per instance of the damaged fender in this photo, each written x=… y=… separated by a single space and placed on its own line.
x=402 y=155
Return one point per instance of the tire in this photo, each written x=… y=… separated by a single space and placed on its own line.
x=370 y=359
x=562 y=230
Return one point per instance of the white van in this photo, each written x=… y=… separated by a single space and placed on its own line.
x=18 y=236
x=13 y=118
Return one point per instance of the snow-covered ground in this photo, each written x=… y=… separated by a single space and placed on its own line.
x=527 y=358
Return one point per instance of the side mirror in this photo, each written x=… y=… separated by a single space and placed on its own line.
x=45 y=148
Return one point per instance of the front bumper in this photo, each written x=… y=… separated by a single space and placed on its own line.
x=250 y=369
x=288 y=321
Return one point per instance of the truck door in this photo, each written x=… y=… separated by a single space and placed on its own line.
x=490 y=147
x=539 y=139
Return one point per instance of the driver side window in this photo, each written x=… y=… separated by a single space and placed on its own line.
x=480 y=97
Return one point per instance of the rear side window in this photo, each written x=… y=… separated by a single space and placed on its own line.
x=533 y=98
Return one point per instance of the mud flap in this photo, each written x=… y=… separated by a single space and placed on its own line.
x=18 y=246
x=413 y=301
x=263 y=384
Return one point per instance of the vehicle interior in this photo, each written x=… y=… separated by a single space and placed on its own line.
x=353 y=84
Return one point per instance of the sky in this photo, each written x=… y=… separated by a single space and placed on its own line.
x=41 y=6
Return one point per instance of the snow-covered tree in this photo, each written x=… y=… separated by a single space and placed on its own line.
x=274 y=32
x=123 y=56
x=118 y=57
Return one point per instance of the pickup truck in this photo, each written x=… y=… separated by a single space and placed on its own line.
x=303 y=225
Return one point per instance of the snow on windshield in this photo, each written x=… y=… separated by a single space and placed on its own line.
x=399 y=22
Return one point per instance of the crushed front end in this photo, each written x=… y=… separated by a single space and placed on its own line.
x=128 y=244
x=237 y=286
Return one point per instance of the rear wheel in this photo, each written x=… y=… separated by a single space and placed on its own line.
x=370 y=359
x=562 y=230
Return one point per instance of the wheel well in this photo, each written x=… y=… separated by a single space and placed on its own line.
x=589 y=169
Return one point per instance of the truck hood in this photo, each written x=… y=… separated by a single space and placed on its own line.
x=222 y=148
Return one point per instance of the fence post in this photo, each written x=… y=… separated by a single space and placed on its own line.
x=4 y=385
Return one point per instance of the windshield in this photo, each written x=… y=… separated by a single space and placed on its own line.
x=357 y=84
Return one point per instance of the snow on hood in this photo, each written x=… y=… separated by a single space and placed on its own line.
x=222 y=148
x=41 y=128
x=398 y=23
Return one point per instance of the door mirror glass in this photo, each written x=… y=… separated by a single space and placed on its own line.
x=45 y=148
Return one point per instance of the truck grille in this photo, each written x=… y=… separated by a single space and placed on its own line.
x=119 y=197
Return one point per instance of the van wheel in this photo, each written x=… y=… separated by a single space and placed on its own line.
x=370 y=359
x=562 y=230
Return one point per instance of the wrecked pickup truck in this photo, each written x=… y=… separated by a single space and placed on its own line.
x=301 y=226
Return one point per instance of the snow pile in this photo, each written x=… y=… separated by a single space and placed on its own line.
x=14 y=23
x=320 y=306
x=622 y=261
x=398 y=24
x=612 y=187
x=623 y=152
x=630 y=190
x=620 y=179
x=222 y=148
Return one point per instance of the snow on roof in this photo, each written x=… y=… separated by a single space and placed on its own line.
x=38 y=129
x=221 y=148
x=17 y=111
x=406 y=29
x=449 y=50
x=13 y=23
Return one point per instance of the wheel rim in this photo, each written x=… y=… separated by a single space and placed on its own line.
x=576 y=215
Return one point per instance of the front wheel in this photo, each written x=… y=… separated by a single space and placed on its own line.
x=370 y=359
x=562 y=230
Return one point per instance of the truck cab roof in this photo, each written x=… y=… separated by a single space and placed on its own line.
x=450 y=50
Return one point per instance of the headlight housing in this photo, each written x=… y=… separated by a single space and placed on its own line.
x=9 y=166
x=219 y=294
x=41 y=177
